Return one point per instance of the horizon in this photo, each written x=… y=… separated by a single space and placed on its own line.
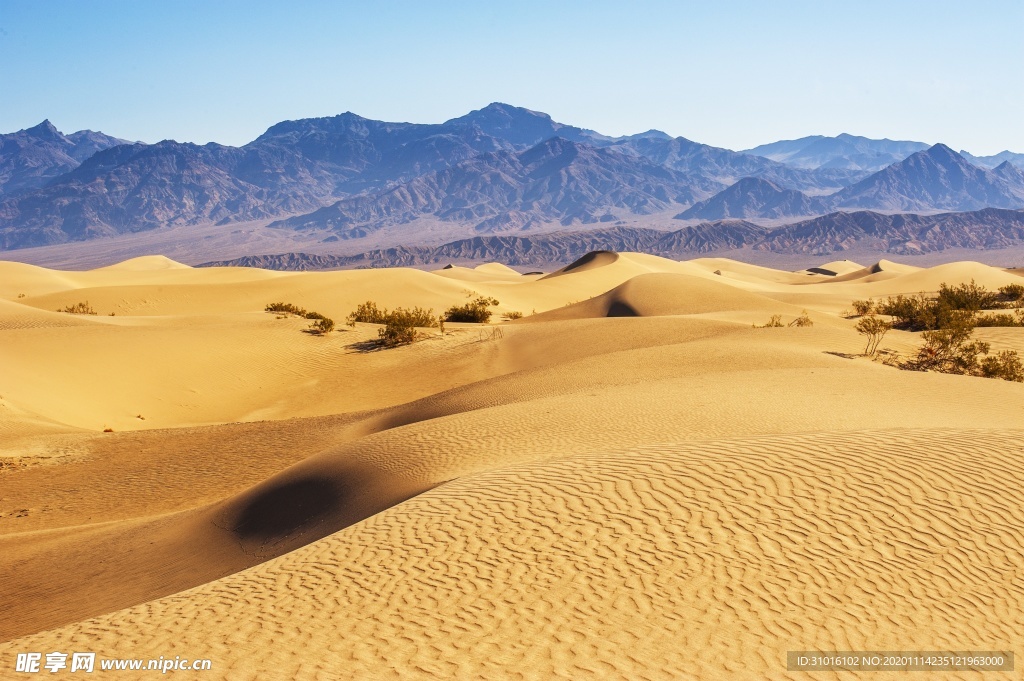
x=734 y=76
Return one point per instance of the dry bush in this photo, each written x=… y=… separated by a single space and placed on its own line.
x=285 y=308
x=1002 y=319
x=875 y=329
x=1012 y=293
x=967 y=297
x=322 y=326
x=513 y=315
x=1005 y=365
x=864 y=307
x=775 y=322
x=476 y=311
x=369 y=313
x=803 y=320
x=79 y=308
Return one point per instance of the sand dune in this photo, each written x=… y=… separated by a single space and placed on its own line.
x=630 y=482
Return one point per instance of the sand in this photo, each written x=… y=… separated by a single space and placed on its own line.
x=630 y=482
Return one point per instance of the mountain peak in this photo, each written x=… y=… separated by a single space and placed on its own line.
x=45 y=129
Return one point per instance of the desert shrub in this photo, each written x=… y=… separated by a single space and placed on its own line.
x=79 y=308
x=910 y=313
x=1002 y=319
x=775 y=322
x=803 y=320
x=396 y=331
x=322 y=325
x=368 y=313
x=514 y=314
x=967 y=297
x=863 y=307
x=475 y=311
x=285 y=308
x=21 y=295
x=950 y=349
x=1010 y=293
x=875 y=329
x=1005 y=365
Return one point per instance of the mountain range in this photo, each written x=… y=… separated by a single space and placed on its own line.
x=838 y=232
x=499 y=169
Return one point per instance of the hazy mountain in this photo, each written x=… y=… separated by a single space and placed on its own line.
x=937 y=178
x=500 y=168
x=842 y=151
x=902 y=234
x=993 y=161
x=906 y=234
x=32 y=157
x=555 y=180
x=727 y=167
x=523 y=127
x=753 y=197
x=537 y=250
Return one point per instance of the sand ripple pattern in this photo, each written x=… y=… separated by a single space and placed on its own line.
x=696 y=560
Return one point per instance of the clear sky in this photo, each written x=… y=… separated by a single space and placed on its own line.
x=726 y=72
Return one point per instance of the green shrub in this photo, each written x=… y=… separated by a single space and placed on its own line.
x=285 y=308
x=875 y=329
x=321 y=325
x=367 y=313
x=1002 y=319
x=79 y=308
x=1005 y=365
x=1012 y=293
x=967 y=297
x=396 y=331
x=475 y=311
x=863 y=307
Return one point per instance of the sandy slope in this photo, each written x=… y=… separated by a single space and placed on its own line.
x=632 y=483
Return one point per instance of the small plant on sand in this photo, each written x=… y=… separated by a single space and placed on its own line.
x=440 y=323
x=1005 y=365
x=803 y=320
x=513 y=315
x=775 y=322
x=21 y=295
x=1002 y=319
x=322 y=326
x=875 y=329
x=1011 y=293
x=863 y=307
x=475 y=311
x=79 y=308
x=369 y=313
x=286 y=308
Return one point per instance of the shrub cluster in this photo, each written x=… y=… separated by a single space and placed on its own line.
x=920 y=313
x=948 y=322
x=775 y=321
x=475 y=311
x=321 y=324
x=369 y=313
x=79 y=308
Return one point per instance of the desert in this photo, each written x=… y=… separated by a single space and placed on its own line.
x=636 y=478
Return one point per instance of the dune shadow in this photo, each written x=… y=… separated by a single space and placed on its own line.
x=619 y=308
x=288 y=508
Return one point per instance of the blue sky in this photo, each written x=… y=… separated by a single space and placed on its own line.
x=728 y=73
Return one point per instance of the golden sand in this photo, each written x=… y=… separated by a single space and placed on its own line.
x=629 y=482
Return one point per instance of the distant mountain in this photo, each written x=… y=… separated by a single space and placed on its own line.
x=537 y=250
x=523 y=127
x=937 y=178
x=902 y=234
x=497 y=169
x=993 y=161
x=32 y=157
x=753 y=197
x=727 y=167
x=906 y=234
x=848 y=152
x=556 y=180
